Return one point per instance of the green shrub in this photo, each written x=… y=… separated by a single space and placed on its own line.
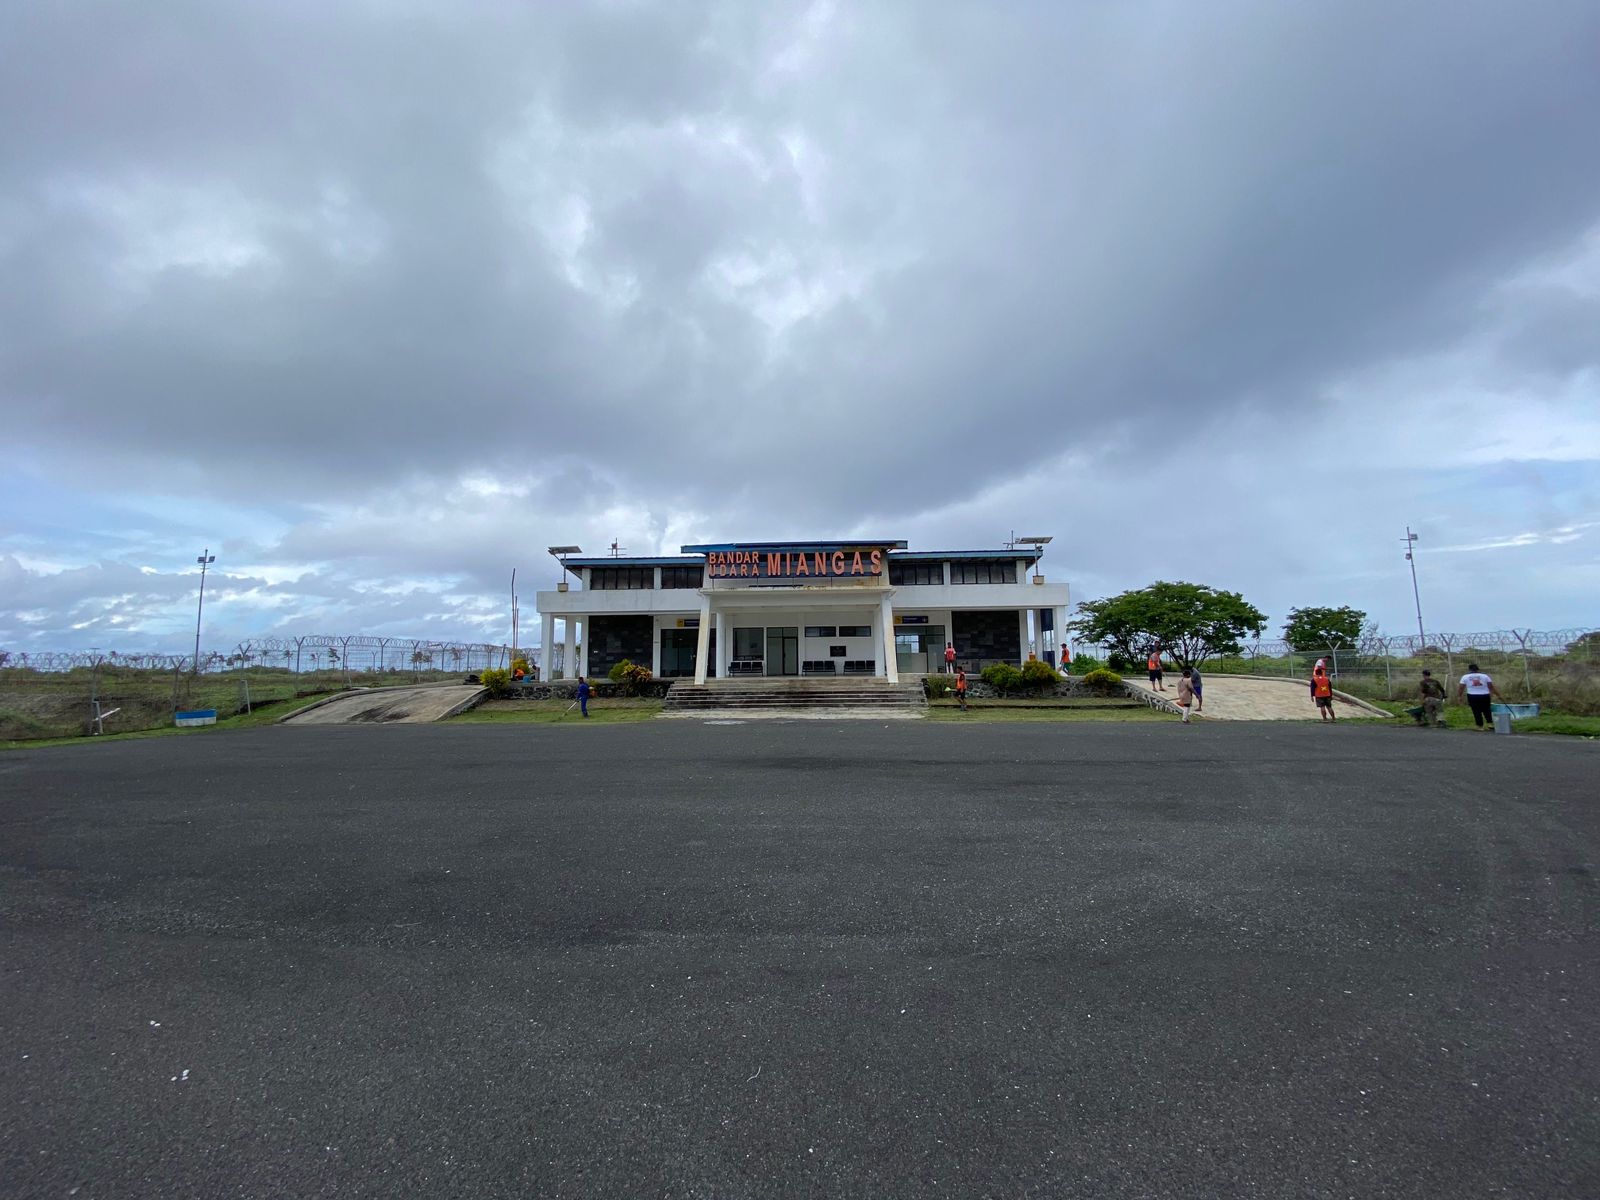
x=521 y=661
x=1103 y=681
x=629 y=677
x=938 y=686
x=1083 y=663
x=497 y=680
x=1002 y=677
x=1038 y=675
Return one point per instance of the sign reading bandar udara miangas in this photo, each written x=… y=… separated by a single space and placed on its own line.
x=792 y=565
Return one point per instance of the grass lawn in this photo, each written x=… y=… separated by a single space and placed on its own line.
x=264 y=713
x=1045 y=710
x=553 y=712
x=1459 y=716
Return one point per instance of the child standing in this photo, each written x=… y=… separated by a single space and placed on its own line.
x=1185 y=694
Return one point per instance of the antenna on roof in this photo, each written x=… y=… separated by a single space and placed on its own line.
x=618 y=551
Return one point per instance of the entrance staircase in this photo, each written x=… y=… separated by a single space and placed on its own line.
x=864 y=697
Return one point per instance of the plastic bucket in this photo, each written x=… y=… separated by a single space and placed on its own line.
x=1502 y=722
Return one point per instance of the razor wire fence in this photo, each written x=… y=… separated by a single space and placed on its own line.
x=1557 y=666
x=63 y=694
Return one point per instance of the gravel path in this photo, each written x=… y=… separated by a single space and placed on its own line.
x=1245 y=698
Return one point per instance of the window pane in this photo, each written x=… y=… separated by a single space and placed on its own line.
x=681 y=577
x=857 y=631
x=820 y=631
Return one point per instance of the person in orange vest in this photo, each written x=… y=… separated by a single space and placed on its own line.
x=1153 y=665
x=961 y=689
x=1322 y=693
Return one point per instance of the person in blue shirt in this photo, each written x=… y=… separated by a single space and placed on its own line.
x=583 y=695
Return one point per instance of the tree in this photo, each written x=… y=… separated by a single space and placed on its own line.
x=1320 y=628
x=1188 y=620
x=1587 y=646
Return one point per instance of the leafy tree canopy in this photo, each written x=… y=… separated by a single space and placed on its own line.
x=1320 y=628
x=1189 y=621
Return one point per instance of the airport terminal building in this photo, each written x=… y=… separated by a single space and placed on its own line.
x=797 y=609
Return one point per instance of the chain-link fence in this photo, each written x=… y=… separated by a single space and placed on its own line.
x=1556 y=667
x=66 y=694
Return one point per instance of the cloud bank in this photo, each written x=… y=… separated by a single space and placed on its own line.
x=375 y=302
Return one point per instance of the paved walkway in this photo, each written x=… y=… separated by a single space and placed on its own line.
x=1254 y=698
x=388 y=706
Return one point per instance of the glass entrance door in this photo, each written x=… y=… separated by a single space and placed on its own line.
x=678 y=648
x=919 y=649
x=783 y=650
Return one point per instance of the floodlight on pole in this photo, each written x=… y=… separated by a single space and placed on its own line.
x=205 y=559
x=1411 y=544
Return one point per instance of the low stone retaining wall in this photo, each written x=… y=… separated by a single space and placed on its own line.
x=600 y=689
x=1070 y=688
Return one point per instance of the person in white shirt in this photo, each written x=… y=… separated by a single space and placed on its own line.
x=1477 y=688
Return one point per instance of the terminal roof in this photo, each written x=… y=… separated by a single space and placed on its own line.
x=808 y=547
x=694 y=556
x=574 y=564
x=1029 y=552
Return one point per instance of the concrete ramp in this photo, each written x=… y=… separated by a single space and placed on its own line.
x=1256 y=698
x=391 y=706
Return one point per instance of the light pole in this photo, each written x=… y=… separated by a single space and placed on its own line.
x=1411 y=545
x=205 y=560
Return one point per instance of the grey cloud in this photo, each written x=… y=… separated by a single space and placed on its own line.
x=746 y=262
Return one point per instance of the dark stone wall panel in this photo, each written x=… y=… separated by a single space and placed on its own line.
x=986 y=636
x=612 y=639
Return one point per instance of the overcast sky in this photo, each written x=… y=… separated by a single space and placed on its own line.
x=376 y=300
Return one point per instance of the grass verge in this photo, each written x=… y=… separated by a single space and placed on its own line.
x=1459 y=716
x=554 y=712
x=1045 y=710
x=266 y=713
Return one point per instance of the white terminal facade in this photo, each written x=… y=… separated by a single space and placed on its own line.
x=832 y=608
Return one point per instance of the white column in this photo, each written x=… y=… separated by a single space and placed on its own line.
x=878 y=652
x=1022 y=624
x=723 y=649
x=583 y=647
x=569 y=657
x=547 y=643
x=702 y=642
x=891 y=665
x=655 y=642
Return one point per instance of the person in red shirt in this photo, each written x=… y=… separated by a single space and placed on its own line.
x=1153 y=665
x=949 y=659
x=1322 y=693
